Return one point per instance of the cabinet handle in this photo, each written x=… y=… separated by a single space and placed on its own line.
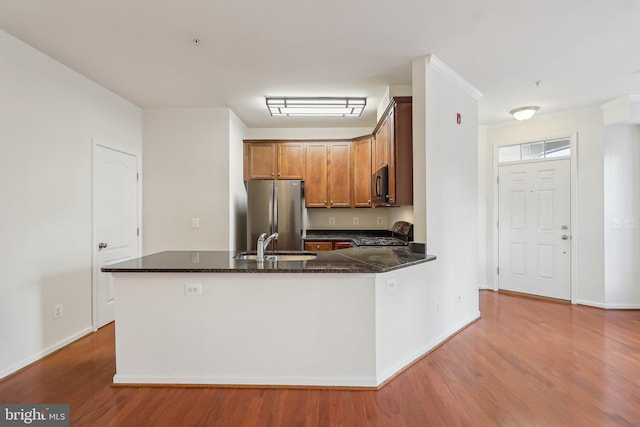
x=271 y=173
x=278 y=173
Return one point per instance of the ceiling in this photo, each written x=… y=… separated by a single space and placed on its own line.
x=583 y=52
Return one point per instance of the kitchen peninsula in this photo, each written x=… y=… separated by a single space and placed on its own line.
x=353 y=317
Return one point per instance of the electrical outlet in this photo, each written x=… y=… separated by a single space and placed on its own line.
x=191 y=289
x=379 y=220
x=332 y=220
x=392 y=284
x=57 y=311
x=616 y=222
x=356 y=220
x=195 y=222
x=630 y=223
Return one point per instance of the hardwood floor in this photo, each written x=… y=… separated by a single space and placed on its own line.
x=524 y=363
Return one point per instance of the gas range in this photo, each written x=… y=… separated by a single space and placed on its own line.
x=400 y=235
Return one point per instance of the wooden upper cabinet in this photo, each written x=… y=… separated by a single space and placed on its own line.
x=402 y=152
x=259 y=160
x=328 y=175
x=362 y=172
x=290 y=160
x=273 y=160
x=393 y=146
x=339 y=174
x=380 y=147
x=315 y=186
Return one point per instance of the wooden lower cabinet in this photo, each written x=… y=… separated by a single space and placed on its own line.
x=326 y=245
x=341 y=245
x=318 y=246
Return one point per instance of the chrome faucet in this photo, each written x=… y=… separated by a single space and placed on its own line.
x=263 y=243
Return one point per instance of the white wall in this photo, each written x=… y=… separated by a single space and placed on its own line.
x=188 y=170
x=621 y=214
x=237 y=190
x=485 y=223
x=587 y=123
x=390 y=92
x=48 y=117
x=319 y=219
x=445 y=184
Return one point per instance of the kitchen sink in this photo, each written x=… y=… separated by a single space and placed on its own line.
x=279 y=256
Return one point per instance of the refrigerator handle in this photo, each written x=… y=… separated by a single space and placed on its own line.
x=274 y=210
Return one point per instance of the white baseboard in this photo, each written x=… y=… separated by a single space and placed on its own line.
x=294 y=381
x=609 y=306
x=47 y=351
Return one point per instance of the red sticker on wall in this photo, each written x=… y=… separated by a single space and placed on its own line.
x=459 y=118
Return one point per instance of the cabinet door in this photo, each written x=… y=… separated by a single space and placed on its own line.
x=390 y=142
x=379 y=149
x=316 y=175
x=403 y=154
x=259 y=161
x=362 y=173
x=290 y=160
x=341 y=245
x=339 y=176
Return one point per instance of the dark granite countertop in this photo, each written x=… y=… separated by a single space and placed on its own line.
x=375 y=259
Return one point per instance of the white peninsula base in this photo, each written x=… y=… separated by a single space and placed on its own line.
x=298 y=329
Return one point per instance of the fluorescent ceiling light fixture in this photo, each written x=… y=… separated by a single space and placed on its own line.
x=524 y=113
x=319 y=107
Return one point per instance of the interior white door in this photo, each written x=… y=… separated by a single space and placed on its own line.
x=534 y=228
x=115 y=222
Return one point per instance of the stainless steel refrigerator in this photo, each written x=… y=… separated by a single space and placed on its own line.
x=275 y=207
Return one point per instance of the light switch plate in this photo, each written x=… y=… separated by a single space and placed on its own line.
x=195 y=222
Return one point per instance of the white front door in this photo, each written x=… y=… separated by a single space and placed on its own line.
x=534 y=228
x=115 y=222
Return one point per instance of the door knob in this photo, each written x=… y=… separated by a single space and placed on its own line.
x=102 y=245
x=564 y=237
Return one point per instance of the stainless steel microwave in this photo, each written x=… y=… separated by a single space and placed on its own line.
x=380 y=190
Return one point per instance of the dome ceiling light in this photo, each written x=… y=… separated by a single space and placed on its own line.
x=524 y=113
